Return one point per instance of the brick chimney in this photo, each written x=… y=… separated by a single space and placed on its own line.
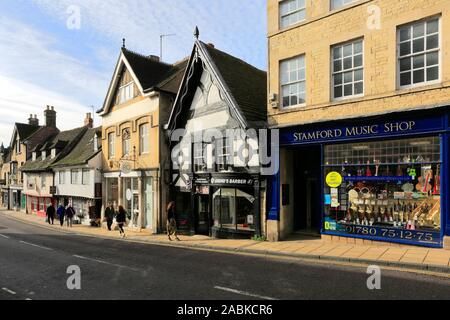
x=33 y=120
x=88 y=121
x=50 y=117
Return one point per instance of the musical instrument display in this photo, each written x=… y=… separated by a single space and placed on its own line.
x=397 y=188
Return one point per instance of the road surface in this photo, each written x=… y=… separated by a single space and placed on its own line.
x=34 y=263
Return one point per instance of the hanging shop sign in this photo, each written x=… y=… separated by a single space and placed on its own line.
x=352 y=132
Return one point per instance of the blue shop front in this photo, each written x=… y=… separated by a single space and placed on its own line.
x=382 y=178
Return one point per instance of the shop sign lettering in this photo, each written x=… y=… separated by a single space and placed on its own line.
x=231 y=181
x=355 y=131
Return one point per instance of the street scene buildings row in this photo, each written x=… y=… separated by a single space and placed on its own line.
x=360 y=94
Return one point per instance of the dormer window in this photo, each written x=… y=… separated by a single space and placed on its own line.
x=53 y=153
x=33 y=156
x=126 y=92
x=44 y=155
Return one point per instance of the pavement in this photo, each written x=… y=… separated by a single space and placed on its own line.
x=356 y=252
x=34 y=261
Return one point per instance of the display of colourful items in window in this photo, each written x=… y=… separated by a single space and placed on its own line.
x=374 y=202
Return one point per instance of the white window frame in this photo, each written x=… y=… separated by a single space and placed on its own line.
x=44 y=155
x=144 y=139
x=290 y=13
x=343 y=71
x=126 y=143
x=111 y=145
x=289 y=83
x=85 y=177
x=224 y=154
x=425 y=53
x=62 y=177
x=344 y=4
x=126 y=92
x=74 y=176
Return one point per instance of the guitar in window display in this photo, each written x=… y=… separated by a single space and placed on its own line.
x=437 y=181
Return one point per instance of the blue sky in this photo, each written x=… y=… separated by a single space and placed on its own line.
x=46 y=63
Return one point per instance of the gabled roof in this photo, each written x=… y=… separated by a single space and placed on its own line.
x=148 y=71
x=244 y=86
x=67 y=138
x=82 y=152
x=247 y=84
x=24 y=131
x=148 y=74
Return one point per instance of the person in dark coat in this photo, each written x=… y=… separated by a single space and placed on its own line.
x=121 y=220
x=61 y=212
x=172 y=221
x=109 y=215
x=51 y=214
x=70 y=213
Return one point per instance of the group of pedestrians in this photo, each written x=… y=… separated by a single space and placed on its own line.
x=67 y=214
x=64 y=214
x=120 y=215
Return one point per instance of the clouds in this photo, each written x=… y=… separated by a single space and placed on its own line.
x=19 y=99
x=44 y=62
x=235 y=26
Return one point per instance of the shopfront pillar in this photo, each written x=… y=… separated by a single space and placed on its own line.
x=273 y=208
x=141 y=202
x=120 y=192
x=257 y=212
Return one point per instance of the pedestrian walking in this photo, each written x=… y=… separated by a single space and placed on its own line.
x=70 y=213
x=172 y=222
x=51 y=214
x=61 y=212
x=121 y=220
x=109 y=215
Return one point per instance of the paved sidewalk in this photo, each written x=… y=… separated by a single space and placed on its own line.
x=405 y=257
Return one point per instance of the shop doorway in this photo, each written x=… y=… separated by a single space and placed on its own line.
x=202 y=221
x=307 y=173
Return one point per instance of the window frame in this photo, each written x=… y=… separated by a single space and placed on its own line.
x=63 y=175
x=281 y=16
x=298 y=105
x=424 y=53
x=76 y=172
x=83 y=177
x=144 y=146
x=343 y=71
x=126 y=143
x=341 y=6
x=111 y=145
x=122 y=94
x=224 y=154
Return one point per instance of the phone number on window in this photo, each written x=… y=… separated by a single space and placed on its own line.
x=412 y=235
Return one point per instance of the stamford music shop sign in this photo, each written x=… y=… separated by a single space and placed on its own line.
x=305 y=135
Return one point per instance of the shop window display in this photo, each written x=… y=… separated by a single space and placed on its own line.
x=385 y=189
x=234 y=209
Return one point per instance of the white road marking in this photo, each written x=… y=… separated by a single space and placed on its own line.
x=9 y=291
x=28 y=299
x=243 y=293
x=104 y=262
x=6 y=237
x=35 y=245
